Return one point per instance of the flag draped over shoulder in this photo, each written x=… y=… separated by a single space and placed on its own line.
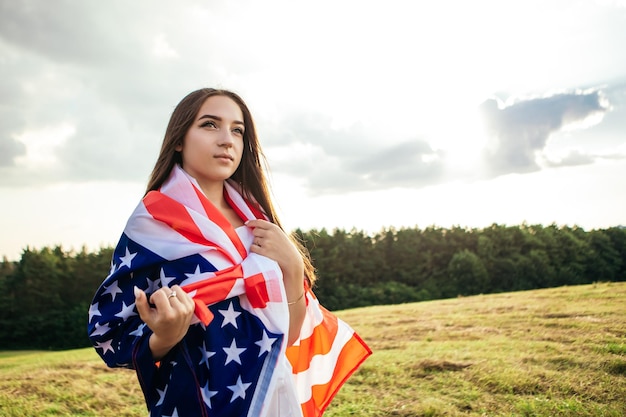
x=234 y=358
x=326 y=354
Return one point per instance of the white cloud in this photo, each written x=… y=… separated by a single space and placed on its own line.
x=349 y=97
x=520 y=131
x=161 y=48
x=571 y=158
x=41 y=146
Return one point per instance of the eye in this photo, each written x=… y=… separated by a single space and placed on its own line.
x=209 y=123
x=239 y=131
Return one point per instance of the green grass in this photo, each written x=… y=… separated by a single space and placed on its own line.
x=553 y=352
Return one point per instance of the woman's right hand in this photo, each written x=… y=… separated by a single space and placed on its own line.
x=169 y=319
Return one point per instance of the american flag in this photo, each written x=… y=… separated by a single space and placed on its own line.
x=229 y=362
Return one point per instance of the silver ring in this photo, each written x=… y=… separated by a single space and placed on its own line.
x=173 y=294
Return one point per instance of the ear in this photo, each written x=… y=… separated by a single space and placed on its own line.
x=179 y=147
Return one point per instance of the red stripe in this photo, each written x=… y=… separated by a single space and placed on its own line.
x=319 y=343
x=256 y=290
x=352 y=355
x=175 y=215
x=217 y=288
x=254 y=208
x=202 y=312
x=310 y=409
x=218 y=218
x=234 y=206
x=212 y=290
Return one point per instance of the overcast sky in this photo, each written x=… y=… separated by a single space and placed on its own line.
x=371 y=114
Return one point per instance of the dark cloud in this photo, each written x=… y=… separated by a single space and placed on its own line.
x=520 y=131
x=98 y=68
x=314 y=128
x=412 y=163
x=118 y=153
x=94 y=68
x=72 y=32
x=351 y=159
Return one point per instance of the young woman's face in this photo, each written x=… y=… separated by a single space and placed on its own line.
x=213 y=145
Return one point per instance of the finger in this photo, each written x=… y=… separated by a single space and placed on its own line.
x=258 y=224
x=183 y=298
x=187 y=303
x=177 y=292
x=141 y=302
x=172 y=295
x=259 y=233
x=256 y=249
x=175 y=298
x=160 y=298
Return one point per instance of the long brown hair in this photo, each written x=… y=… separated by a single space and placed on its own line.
x=250 y=174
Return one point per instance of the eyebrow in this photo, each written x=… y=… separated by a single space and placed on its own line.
x=219 y=119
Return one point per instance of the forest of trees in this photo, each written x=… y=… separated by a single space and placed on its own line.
x=45 y=296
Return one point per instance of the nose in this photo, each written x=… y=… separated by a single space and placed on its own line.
x=226 y=139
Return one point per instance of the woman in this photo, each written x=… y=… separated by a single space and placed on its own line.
x=208 y=298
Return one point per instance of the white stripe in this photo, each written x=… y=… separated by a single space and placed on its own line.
x=180 y=187
x=217 y=259
x=314 y=317
x=170 y=244
x=322 y=367
x=235 y=196
x=159 y=237
x=213 y=233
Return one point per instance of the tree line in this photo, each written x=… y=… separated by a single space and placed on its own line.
x=45 y=296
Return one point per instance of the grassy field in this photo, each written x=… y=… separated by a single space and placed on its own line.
x=554 y=352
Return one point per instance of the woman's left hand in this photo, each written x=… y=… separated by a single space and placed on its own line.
x=271 y=241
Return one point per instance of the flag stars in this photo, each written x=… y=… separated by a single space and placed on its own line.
x=94 y=311
x=265 y=344
x=112 y=290
x=101 y=329
x=233 y=353
x=113 y=268
x=239 y=389
x=230 y=316
x=127 y=259
x=205 y=355
x=105 y=346
x=138 y=331
x=165 y=280
x=207 y=395
x=161 y=395
x=196 y=275
x=127 y=311
x=153 y=285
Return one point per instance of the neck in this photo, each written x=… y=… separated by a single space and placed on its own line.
x=214 y=192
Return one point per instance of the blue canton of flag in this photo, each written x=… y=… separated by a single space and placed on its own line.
x=235 y=361
x=236 y=353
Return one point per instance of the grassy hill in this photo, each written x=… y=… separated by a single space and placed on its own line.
x=552 y=352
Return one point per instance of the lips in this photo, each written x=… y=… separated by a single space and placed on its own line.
x=224 y=156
